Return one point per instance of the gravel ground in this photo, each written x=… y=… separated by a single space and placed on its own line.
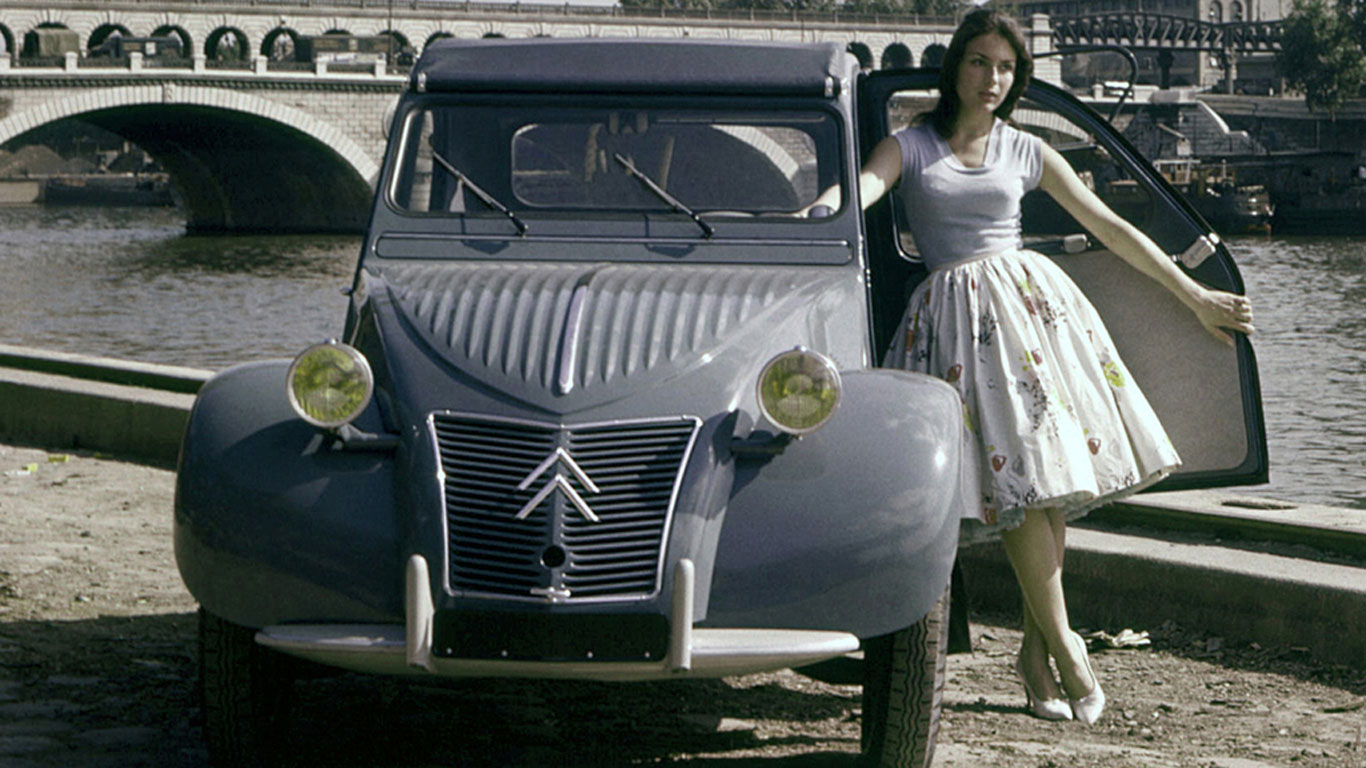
x=97 y=669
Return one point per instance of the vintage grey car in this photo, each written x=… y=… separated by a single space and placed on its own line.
x=607 y=403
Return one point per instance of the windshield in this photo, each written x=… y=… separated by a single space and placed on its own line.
x=533 y=158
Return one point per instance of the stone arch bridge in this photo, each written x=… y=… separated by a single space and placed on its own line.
x=256 y=140
x=245 y=151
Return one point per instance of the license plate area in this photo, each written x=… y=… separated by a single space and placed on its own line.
x=550 y=637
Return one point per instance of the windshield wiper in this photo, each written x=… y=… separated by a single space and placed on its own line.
x=644 y=178
x=483 y=196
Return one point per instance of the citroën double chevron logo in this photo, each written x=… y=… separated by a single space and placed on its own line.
x=559 y=457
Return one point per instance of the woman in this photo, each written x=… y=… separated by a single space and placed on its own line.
x=1059 y=425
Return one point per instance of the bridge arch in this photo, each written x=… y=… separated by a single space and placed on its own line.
x=897 y=56
x=280 y=43
x=862 y=52
x=226 y=44
x=1049 y=121
x=437 y=36
x=933 y=55
x=104 y=32
x=32 y=46
x=179 y=33
x=261 y=165
x=400 y=40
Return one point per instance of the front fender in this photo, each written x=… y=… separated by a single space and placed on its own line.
x=853 y=527
x=271 y=524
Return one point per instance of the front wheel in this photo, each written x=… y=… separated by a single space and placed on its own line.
x=244 y=695
x=903 y=690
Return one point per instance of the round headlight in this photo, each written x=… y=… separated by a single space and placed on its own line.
x=329 y=384
x=799 y=391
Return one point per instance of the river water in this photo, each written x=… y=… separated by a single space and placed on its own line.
x=128 y=283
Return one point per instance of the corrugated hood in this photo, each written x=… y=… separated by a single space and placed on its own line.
x=577 y=329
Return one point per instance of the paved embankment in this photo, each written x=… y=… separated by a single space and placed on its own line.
x=97 y=670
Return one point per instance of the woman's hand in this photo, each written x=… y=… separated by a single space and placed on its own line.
x=1221 y=312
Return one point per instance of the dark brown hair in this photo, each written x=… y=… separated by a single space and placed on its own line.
x=979 y=22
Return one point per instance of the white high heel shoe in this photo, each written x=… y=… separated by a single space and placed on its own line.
x=1087 y=709
x=1048 y=709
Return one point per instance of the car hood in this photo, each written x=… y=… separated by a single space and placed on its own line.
x=566 y=336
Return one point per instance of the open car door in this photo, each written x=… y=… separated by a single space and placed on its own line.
x=1206 y=394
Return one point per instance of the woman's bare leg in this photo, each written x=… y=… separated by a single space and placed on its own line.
x=1034 y=654
x=1032 y=549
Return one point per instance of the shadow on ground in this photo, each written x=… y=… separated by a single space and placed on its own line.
x=122 y=691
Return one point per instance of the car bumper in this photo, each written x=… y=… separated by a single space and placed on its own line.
x=393 y=649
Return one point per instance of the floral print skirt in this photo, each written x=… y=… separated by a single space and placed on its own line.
x=1055 y=417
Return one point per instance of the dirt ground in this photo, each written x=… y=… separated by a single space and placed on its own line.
x=97 y=669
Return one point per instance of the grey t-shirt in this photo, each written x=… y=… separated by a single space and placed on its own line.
x=956 y=212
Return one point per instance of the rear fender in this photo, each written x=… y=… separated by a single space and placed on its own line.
x=853 y=527
x=271 y=524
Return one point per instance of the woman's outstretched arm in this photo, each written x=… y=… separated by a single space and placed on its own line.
x=879 y=174
x=1216 y=310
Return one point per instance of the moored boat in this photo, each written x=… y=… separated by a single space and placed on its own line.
x=125 y=190
x=1230 y=207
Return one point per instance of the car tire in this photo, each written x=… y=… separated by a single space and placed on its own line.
x=245 y=690
x=903 y=690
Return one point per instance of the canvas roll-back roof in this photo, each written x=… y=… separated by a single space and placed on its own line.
x=629 y=65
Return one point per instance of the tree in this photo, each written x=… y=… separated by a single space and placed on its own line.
x=1321 y=55
x=671 y=4
x=1355 y=12
x=903 y=7
x=777 y=5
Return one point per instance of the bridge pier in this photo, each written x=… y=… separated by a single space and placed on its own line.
x=1165 y=60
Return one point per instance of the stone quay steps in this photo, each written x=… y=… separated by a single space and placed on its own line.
x=1243 y=568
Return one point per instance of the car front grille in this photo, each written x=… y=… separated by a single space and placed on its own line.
x=555 y=550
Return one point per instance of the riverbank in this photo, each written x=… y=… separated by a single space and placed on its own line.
x=97 y=669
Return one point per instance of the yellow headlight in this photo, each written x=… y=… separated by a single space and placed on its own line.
x=329 y=384
x=799 y=391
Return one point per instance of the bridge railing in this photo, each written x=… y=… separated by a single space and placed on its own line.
x=599 y=11
x=1155 y=30
x=198 y=64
